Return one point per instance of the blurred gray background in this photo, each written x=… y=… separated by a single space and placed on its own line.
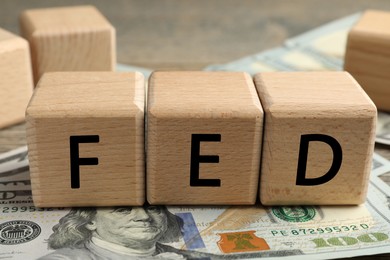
x=168 y=34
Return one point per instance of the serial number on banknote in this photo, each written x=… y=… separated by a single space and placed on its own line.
x=16 y=209
x=321 y=230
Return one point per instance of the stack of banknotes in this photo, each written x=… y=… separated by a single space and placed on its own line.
x=234 y=232
x=229 y=232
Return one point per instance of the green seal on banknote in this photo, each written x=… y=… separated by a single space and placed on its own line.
x=295 y=213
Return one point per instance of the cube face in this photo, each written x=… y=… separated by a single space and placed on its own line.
x=320 y=106
x=16 y=78
x=367 y=55
x=69 y=39
x=75 y=105
x=195 y=117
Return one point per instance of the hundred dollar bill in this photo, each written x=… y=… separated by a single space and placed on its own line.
x=237 y=232
x=379 y=164
x=15 y=184
x=320 y=49
x=380 y=177
x=383 y=128
x=326 y=43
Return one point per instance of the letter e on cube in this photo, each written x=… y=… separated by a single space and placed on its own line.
x=204 y=133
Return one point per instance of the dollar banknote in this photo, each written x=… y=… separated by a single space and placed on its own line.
x=299 y=232
x=235 y=232
x=383 y=128
x=320 y=49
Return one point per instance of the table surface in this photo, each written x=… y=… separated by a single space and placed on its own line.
x=189 y=35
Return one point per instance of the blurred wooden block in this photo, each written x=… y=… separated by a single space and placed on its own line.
x=306 y=115
x=367 y=56
x=204 y=133
x=84 y=116
x=15 y=78
x=77 y=38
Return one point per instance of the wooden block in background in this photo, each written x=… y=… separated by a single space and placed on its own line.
x=186 y=108
x=367 y=56
x=107 y=104
x=77 y=38
x=320 y=103
x=16 y=84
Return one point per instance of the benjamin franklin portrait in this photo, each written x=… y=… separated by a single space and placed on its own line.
x=118 y=233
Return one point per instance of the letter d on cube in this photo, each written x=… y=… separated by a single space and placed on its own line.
x=318 y=138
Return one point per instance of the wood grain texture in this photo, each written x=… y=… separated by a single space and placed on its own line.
x=327 y=103
x=184 y=103
x=367 y=56
x=107 y=104
x=16 y=84
x=77 y=38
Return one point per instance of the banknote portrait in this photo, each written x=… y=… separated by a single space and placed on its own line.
x=129 y=233
x=117 y=233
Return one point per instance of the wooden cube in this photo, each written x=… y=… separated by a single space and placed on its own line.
x=15 y=78
x=367 y=56
x=85 y=134
x=204 y=133
x=77 y=38
x=318 y=138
